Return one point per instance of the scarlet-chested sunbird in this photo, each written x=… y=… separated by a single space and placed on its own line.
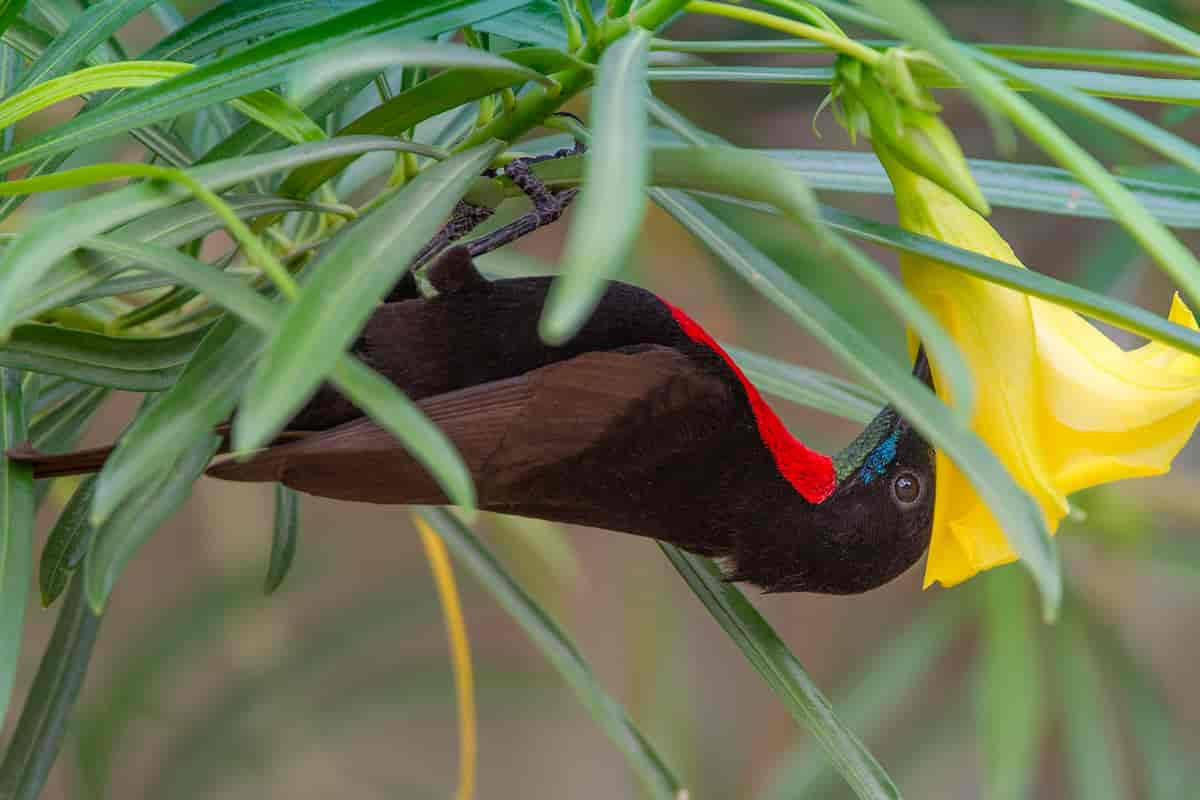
x=640 y=423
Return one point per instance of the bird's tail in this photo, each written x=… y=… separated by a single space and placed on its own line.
x=82 y=462
x=57 y=465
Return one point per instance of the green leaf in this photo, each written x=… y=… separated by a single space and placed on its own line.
x=1048 y=84
x=368 y=390
x=354 y=273
x=67 y=543
x=253 y=137
x=1067 y=56
x=808 y=387
x=318 y=74
x=1144 y=20
x=1018 y=514
x=1025 y=186
x=537 y=22
x=162 y=434
x=427 y=99
x=1093 y=304
x=238 y=21
x=283 y=540
x=252 y=69
x=1011 y=707
x=655 y=776
x=783 y=673
x=730 y=171
x=59 y=428
x=130 y=363
x=608 y=217
x=43 y=723
x=401 y=417
x=1093 y=749
x=16 y=533
x=919 y=27
x=119 y=536
x=67 y=283
x=55 y=234
x=896 y=670
x=1099 y=84
x=88 y=29
x=10 y=11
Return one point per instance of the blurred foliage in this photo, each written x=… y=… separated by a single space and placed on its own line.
x=147 y=143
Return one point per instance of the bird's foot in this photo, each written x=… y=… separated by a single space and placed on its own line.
x=548 y=205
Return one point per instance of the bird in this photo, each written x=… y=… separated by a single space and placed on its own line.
x=640 y=423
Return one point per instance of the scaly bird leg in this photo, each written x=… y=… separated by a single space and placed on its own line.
x=548 y=205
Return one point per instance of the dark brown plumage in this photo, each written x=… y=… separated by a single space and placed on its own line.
x=640 y=424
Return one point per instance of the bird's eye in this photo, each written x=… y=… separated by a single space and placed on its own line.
x=906 y=488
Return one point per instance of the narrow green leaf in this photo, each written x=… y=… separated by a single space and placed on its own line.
x=67 y=282
x=368 y=390
x=120 y=535
x=59 y=428
x=1140 y=60
x=768 y=654
x=283 y=540
x=253 y=137
x=401 y=417
x=55 y=234
x=1018 y=514
x=1048 y=84
x=1093 y=304
x=10 y=10
x=1093 y=749
x=919 y=26
x=236 y=22
x=896 y=670
x=130 y=363
x=1143 y=19
x=87 y=30
x=608 y=216
x=807 y=387
x=43 y=723
x=1011 y=709
x=745 y=174
x=536 y=22
x=251 y=69
x=427 y=99
x=354 y=273
x=318 y=74
x=1024 y=186
x=656 y=777
x=67 y=543
x=1098 y=84
x=16 y=533
x=161 y=435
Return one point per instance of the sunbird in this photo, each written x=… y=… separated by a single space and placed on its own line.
x=640 y=423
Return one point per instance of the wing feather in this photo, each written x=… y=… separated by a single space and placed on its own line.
x=511 y=433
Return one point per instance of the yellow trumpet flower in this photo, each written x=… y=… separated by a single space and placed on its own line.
x=1062 y=405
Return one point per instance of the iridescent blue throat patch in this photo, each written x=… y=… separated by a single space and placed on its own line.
x=880 y=458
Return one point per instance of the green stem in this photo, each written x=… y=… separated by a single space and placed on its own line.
x=540 y=103
x=841 y=43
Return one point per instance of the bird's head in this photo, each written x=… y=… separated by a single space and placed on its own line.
x=873 y=526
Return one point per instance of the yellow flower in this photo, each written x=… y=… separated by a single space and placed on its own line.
x=1061 y=405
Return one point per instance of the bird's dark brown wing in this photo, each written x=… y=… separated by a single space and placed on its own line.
x=521 y=437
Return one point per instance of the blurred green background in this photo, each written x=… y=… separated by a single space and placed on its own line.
x=340 y=683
